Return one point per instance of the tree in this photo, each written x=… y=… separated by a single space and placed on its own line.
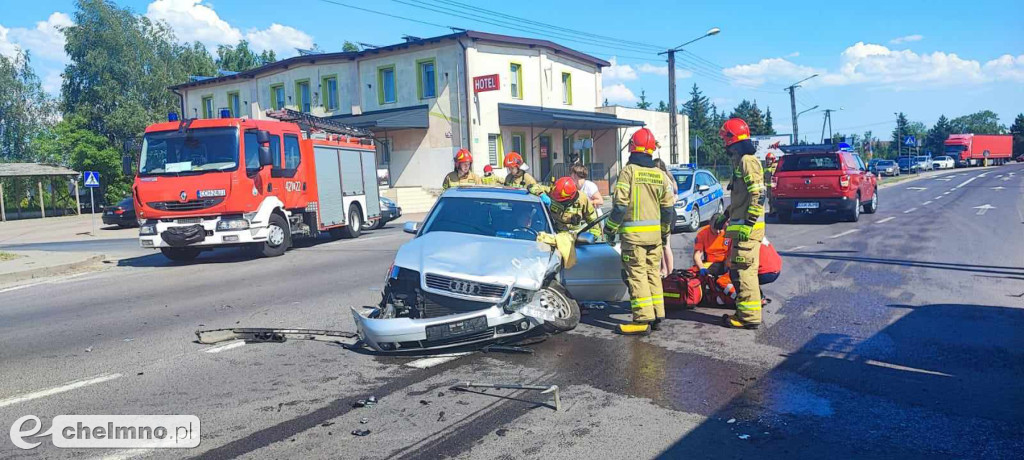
x=704 y=123
x=1017 y=129
x=240 y=57
x=900 y=132
x=25 y=109
x=983 y=122
x=662 y=106
x=643 y=103
x=349 y=47
x=71 y=143
x=935 y=140
x=750 y=113
x=769 y=128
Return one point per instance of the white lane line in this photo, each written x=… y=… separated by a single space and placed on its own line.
x=872 y=362
x=61 y=389
x=887 y=219
x=926 y=203
x=938 y=197
x=999 y=175
x=49 y=281
x=433 y=361
x=225 y=347
x=796 y=248
x=125 y=454
x=968 y=181
x=855 y=230
x=909 y=210
x=946 y=193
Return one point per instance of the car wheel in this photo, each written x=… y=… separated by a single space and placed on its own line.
x=567 y=311
x=355 y=223
x=694 y=220
x=854 y=215
x=872 y=205
x=180 y=254
x=278 y=239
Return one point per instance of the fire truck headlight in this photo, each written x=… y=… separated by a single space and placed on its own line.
x=232 y=224
x=147 y=229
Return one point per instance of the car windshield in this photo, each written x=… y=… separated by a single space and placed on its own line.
x=193 y=152
x=684 y=180
x=496 y=217
x=886 y=163
x=922 y=158
x=810 y=162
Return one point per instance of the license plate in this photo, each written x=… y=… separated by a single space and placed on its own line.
x=807 y=205
x=456 y=328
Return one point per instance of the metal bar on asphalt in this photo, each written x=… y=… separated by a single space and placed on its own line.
x=515 y=386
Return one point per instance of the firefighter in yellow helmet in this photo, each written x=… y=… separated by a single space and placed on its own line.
x=745 y=227
x=517 y=175
x=642 y=214
x=463 y=174
x=570 y=209
x=489 y=177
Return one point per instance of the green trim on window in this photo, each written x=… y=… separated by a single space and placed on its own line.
x=567 y=87
x=519 y=78
x=325 y=93
x=274 y=103
x=522 y=142
x=419 y=77
x=298 y=94
x=231 y=106
x=501 y=150
x=207 y=108
x=380 y=83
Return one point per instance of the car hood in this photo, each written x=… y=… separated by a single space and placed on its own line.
x=487 y=259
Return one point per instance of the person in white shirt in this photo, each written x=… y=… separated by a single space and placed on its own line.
x=579 y=172
x=667 y=259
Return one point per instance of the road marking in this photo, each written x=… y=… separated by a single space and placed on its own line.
x=983 y=209
x=904 y=368
x=225 y=347
x=1007 y=178
x=433 y=361
x=947 y=179
x=49 y=281
x=946 y=193
x=999 y=175
x=938 y=197
x=796 y=248
x=999 y=188
x=125 y=454
x=926 y=203
x=887 y=219
x=968 y=181
x=56 y=390
x=909 y=210
x=916 y=188
x=844 y=233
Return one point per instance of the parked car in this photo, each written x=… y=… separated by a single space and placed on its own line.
x=886 y=168
x=122 y=215
x=699 y=197
x=908 y=165
x=871 y=164
x=943 y=162
x=823 y=181
x=389 y=211
x=924 y=163
x=474 y=273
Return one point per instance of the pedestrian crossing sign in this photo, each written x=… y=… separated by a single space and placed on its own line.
x=92 y=179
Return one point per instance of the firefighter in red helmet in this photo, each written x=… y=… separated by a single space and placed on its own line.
x=570 y=210
x=642 y=214
x=463 y=174
x=745 y=228
x=517 y=175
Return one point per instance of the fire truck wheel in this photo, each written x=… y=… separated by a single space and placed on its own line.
x=355 y=223
x=279 y=238
x=180 y=254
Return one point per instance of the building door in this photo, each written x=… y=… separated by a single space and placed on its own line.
x=384 y=162
x=545 y=156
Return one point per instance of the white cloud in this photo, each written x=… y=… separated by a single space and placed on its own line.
x=7 y=48
x=654 y=69
x=768 y=69
x=45 y=41
x=282 y=39
x=1006 y=67
x=906 y=39
x=616 y=72
x=618 y=94
x=793 y=54
x=52 y=81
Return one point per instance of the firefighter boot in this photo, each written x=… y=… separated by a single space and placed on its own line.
x=732 y=321
x=635 y=328
x=656 y=324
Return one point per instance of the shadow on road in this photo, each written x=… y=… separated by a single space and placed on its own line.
x=944 y=380
x=990 y=269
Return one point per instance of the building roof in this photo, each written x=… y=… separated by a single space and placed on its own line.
x=34 y=169
x=528 y=115
x=400 y=118
x=353 y=55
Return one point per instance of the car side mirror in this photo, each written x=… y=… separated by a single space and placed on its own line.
x=585 y=238
x=126 y=165
x=703 y=188
x=411 y=227
x=263 y=138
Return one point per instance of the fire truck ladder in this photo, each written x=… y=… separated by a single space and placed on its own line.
x=310 y=123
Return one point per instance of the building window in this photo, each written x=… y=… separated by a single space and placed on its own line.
x=494 y=150
x=518 y=144
x=329 y=88
x=515 y=79
x=234 y=104
x=566 y=88
x=386 y=85
x=303 y=98
x=207 y=106
x=427 y=81
x=277 y=96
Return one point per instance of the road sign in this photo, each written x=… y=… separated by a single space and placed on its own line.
x=909 y=141
x=92 y=179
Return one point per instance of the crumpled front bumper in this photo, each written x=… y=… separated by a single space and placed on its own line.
x=407 y=334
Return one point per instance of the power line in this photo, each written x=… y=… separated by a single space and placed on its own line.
x=385 y=14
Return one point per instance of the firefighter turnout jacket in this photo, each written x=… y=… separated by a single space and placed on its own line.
x=643 y=203
x=570 y=216
x=521 y=180
x=748 y=192
x=453 y=179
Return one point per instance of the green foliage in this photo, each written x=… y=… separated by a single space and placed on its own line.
x=643 y=103
x=935 y=140
x=662 y=106
x=705 y=120
x=25 y=109
x=71 y=143
x=349 y=47
x=750 y=113
x=769 y=129
x=1018 y=135
x=240 y=57
x=983 y=122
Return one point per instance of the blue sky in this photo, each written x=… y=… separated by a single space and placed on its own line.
x=873 y=57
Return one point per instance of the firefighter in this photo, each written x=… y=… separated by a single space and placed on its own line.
x=570 y=209
x=463 y=174
x=517 y=175
x=489 y=177
x=745 y=228
x=770 y=163
x=642 y=213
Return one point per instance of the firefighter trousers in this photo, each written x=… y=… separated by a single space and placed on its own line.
x=642 y=271
x=744 y=260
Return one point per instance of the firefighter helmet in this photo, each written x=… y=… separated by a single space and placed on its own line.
x=734 y=130
x=488 y=168
x=463 y=156
x=643 y=142
x=565 y=190
x=513 y=159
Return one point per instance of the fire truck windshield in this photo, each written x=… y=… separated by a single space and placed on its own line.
x=192 y=152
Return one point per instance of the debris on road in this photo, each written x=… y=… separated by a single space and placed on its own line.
x=266 y=334
x=440 y=417
x=507 y=348
x=88 y=349
x=513 y=386
x=364 y=420
x=360 y=432
x=424 y=402
x=744 y=436
x=732 y=420
x=371 y=401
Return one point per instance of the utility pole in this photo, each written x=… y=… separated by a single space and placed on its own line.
x=673 y=138
x=792 y=106
x=828 y=121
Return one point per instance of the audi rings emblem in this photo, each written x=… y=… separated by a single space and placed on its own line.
x=464 y=287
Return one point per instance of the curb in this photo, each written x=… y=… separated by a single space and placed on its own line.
x=45 y=272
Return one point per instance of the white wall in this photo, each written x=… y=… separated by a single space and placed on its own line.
x=658 y=123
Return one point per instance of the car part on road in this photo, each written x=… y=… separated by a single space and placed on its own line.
x=360 y=432
x=514 y=386
x=266 y=334
x=508 y=348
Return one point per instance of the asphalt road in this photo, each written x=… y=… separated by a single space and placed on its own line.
x=894 y=337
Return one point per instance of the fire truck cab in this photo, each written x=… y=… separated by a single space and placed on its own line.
x=204 y=183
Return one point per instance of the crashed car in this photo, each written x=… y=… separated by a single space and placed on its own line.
x=475 y=272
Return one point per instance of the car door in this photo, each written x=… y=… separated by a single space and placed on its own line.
x=597 y=275
x=863 y=177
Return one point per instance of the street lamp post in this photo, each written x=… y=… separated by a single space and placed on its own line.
x=673 y=139
x=792 y=105
x=797 y=117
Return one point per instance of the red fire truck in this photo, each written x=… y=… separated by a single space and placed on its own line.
x=206 y=183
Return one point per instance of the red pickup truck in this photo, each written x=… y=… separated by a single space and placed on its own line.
x=822 y=180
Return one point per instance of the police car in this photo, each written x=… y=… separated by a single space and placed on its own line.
x=700 y=196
